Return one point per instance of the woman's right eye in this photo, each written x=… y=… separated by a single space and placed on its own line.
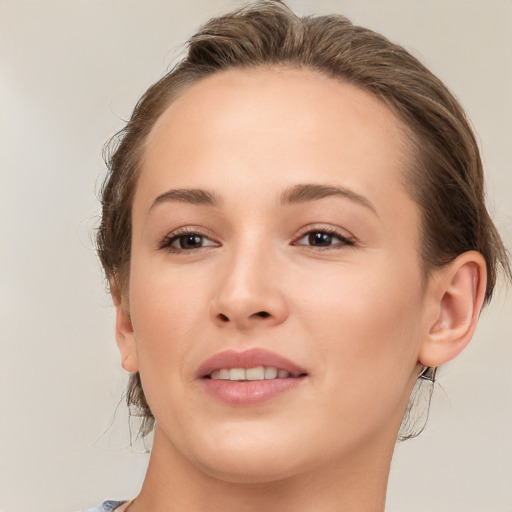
x=186 y=242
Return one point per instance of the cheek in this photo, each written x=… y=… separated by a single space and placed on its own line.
x=365 y=302
x=168 y=310
x=366 y=327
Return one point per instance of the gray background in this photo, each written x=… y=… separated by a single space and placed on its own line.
x=70 y=71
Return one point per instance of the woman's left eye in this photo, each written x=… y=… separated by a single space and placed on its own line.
x=320 y=238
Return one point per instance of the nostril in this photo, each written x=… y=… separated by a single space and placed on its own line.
x=262 y=314
x=223 y=317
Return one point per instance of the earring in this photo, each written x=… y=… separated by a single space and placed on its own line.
x=428 y=373
x=416 y=414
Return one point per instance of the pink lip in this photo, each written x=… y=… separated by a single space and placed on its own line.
x=249 y=392
x=248 y=359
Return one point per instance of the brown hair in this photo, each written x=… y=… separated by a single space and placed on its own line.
x=445 y=179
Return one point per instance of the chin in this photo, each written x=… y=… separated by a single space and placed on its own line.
x=243 y=455
x=248 y=470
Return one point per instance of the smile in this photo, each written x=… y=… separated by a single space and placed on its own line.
x=249 y=377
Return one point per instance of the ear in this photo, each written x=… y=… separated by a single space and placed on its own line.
x=458 y=292
x=124 y=331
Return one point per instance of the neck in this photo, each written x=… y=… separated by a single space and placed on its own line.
x=356 y=483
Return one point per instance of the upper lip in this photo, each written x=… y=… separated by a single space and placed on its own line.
x=248 y=358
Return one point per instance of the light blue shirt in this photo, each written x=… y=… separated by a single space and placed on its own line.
x=106 y=506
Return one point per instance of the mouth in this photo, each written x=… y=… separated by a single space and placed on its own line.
x=249 y=377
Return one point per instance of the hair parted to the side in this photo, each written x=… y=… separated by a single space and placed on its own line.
x=446 y=176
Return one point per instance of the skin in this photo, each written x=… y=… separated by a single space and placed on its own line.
x=356 y=313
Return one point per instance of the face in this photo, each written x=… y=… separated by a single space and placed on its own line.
x=272 y=234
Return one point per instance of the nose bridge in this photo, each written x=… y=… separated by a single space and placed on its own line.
x=248 y=290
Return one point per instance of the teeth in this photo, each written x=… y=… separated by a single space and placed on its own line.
x=256 y=373
x=270 y=372
x=224 y=374
x=236 y=374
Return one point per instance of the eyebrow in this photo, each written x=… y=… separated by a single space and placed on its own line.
x=311 y=192
x=187 y=195
x=301 y=193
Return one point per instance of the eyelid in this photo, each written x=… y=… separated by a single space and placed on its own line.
x=166 y=241
x=347 y=238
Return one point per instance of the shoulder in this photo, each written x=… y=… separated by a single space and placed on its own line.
x=106 y=506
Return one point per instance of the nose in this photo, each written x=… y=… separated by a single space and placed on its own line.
x=249 y=292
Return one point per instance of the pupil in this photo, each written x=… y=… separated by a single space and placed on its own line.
x=190 y=241
x=319 y=238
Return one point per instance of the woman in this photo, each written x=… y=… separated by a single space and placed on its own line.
x=294 y=232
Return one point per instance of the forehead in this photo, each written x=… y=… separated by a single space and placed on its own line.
x=274 y=98
x=274 y=125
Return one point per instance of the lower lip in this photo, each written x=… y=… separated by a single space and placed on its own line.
x=253 y=392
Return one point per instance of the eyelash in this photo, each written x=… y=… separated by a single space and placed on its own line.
x=168 y=240
x=344 y=241
x=166 y=243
